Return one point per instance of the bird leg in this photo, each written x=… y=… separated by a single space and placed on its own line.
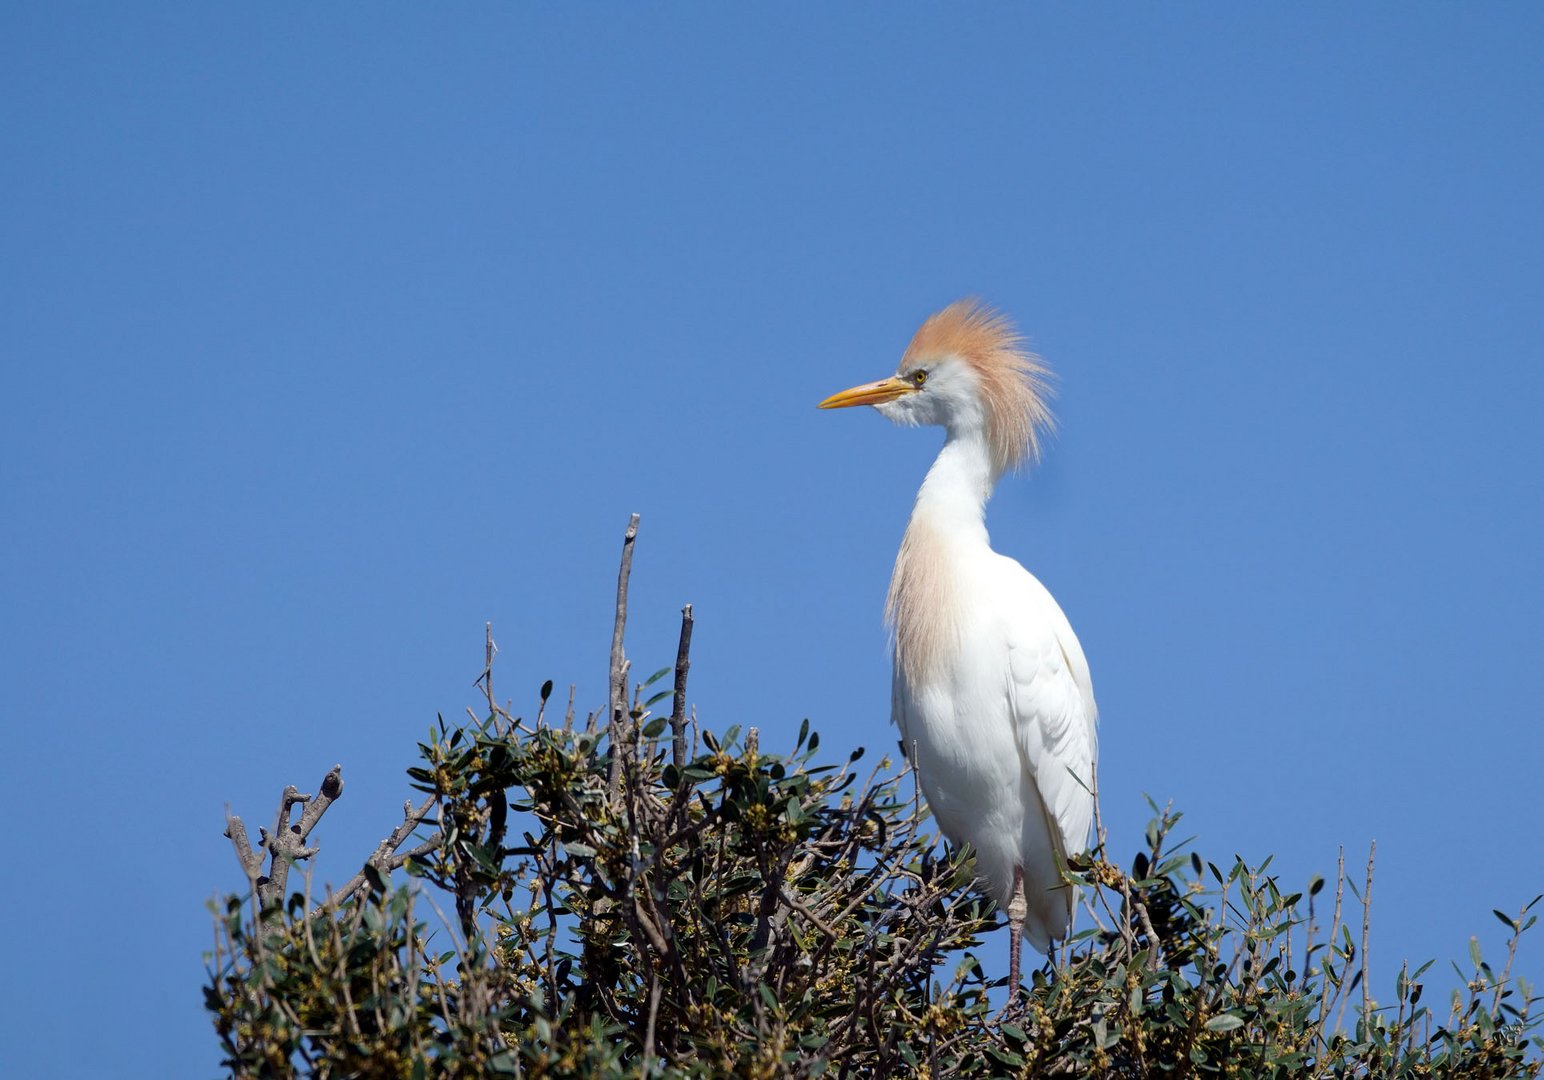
x=1017 y=909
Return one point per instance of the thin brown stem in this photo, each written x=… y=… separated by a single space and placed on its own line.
x=683 y=664
x=1366 y=934
x=617 y=679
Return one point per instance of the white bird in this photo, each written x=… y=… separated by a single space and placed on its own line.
x=991 y=691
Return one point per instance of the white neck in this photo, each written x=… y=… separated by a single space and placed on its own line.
x=925 y=603
x=954 y=494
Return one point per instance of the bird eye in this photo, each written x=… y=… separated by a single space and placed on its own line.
x=918 y=378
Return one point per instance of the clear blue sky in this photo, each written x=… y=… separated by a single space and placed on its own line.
x=330 y=334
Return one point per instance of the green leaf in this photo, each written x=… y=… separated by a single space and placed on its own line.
x=373 y=877
x=1006 y=1057
x=1225 y=1022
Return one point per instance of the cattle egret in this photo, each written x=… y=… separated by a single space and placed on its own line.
x=991 y=691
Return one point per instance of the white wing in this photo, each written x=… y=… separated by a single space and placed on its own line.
x=898 y=706
x=1054 y=713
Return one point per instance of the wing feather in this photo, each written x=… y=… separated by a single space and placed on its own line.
x=1055 y=717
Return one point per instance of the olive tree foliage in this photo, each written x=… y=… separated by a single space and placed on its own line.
x=633 y=894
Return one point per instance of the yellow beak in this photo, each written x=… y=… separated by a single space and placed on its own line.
x=874 y=393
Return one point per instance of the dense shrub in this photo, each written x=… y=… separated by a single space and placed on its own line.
x=638 y=897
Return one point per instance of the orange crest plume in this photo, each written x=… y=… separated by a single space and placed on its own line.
x=1015 y=383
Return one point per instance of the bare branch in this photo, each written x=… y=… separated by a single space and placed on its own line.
x=617 y=681
x=386 y=858
x=485 y=680
x=648 y=1037
x=287 y=843
x=683 y=664
x=1366 y=927
x=251 y=861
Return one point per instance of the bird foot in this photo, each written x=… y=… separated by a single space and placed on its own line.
x=1017 y=909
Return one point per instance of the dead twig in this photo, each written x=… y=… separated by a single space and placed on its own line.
x=1366 y=927
x=683 y=664
x=617 y=679
x=286 y=844
x=386 y=858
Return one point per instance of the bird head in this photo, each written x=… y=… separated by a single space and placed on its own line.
x=966 y=370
